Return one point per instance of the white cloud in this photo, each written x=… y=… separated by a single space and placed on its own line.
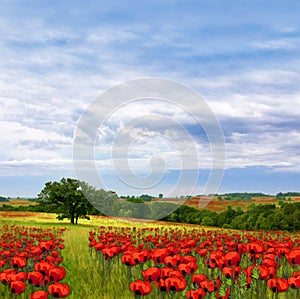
x=50 y=73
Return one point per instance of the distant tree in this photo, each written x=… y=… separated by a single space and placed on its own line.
x=135 y=200
x=173 y=217
x=146 y=197
x=207 y=221
x=280 y=196
x=3 y=199
x=160 y=195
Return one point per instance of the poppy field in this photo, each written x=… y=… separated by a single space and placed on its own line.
x=195 y=263
x=30 y=262
x=107 y=258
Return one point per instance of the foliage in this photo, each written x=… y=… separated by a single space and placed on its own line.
x=266 y=217
x=135 y=200
x=289 y=193
x=280 y=196
x=68 y=199
x=146 y=197
x=3 y=199
x=241 y=195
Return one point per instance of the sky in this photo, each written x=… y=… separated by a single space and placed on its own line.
x=241 y=57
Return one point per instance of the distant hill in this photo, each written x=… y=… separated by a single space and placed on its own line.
x=217 y=205
x=220 y=202
x=241 y=196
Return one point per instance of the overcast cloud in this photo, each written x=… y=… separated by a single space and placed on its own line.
x=242 y=57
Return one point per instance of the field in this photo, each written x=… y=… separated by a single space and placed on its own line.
x=218 y=206
x=102 y=256
x=18 y=202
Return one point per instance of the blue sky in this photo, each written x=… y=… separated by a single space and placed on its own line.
x=242 y=57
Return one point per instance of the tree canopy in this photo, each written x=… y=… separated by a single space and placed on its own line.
x=67 y=198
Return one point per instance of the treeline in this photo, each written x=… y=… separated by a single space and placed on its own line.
x=3 y=199
x=7 y=199
x=265 y=217
x=241 y=196
x=289 y=193
x=286 y=195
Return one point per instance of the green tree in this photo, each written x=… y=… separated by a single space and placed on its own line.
x=146 y=197
x=67 y=199
x=207 y=221
x=135 y=200
x=160 y=195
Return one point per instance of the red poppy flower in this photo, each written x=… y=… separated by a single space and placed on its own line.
x=231 y=272
x=165 y=272
x=59 y=290
x=203 y=252
x=56 y=274
x=44 y=245
x=35 y=278
x=43 y=267
x=173 y=261
x=189 y=268
x=255 y=248
x=22 y=276
x=212 y=260
x=99 y=246
x=248 y=270
x=294 y=282
x=158 y=255
x=264 y=272
x=232 y=259
x=45 y=281
x=141 y=257
x=196 y=294
x=128 y=260
x=176 y=273
x=193 y=266
x=270 y=263
x=198 y=278
x=161 y=285
x=36 y=250
x=278 y=285
x=175 y=284
x=294 y=257
x=55 y=254
x=189 y=258
x=110 y=252
x=39 y=295
x=151 y=274
x=18 y=262
x=140 y=287
x=210 y=285
x=4 y=278
x=6 y=254
x=17 y=287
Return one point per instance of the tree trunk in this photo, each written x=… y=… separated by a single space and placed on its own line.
x=72 y=217
x=76 y=219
